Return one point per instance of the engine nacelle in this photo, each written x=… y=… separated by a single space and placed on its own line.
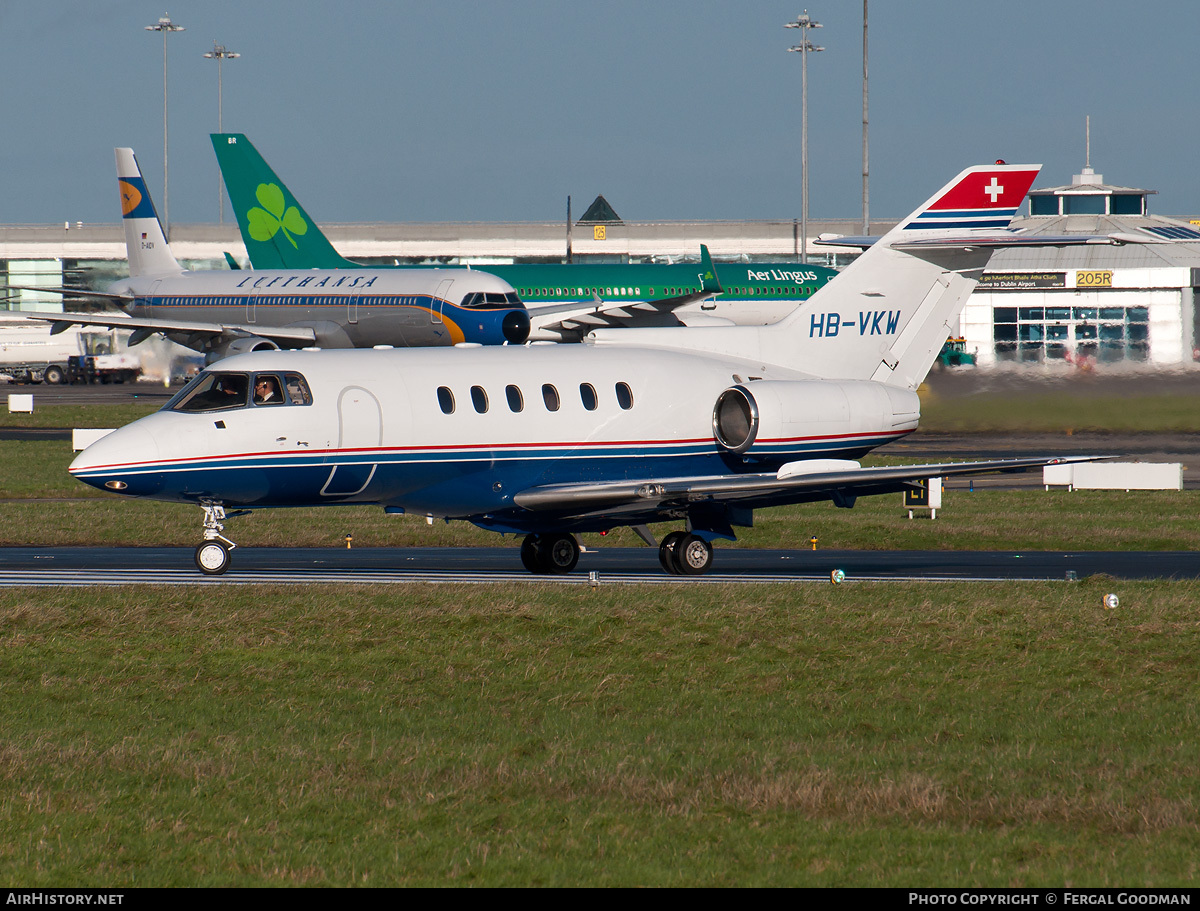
x=757 y=418
x=242 y=345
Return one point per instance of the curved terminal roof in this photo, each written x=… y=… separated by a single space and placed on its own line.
x=1090 y=206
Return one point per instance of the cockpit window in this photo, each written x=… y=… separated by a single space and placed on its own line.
x=267 y=390
x=297 y=389
x=492 y=300
x=218 y=391
x=212 y=392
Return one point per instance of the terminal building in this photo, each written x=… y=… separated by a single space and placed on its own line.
x=1095 y=304
x=1081 y=306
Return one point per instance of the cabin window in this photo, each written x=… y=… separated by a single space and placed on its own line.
x=550 y=397
x=624 y=396
x=587 y=395
x=479 y=399
x=212 y=392
x=516 y=401
x=445 y=399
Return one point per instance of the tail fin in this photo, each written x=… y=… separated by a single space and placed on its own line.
x=709 y=282
x=886 y=316
x=145 y=245
x=276 y=230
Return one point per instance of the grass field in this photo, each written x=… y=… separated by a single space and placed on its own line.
x=858 y=735
x=866 y=735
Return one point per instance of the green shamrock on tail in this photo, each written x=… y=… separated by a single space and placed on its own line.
x=275 y=215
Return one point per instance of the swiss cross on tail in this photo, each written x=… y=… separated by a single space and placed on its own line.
x=982 y=197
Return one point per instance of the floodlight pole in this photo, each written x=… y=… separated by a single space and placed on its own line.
x=220 y=54
x=166 y=26
x=805 y=22
x=866 y=219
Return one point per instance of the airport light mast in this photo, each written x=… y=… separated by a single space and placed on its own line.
x=166 y=26
x=805 y=22
x=220 y=53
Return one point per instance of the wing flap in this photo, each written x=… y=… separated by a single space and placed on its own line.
x=773 y=488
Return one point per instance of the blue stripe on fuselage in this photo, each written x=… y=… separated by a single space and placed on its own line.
x=439 y=479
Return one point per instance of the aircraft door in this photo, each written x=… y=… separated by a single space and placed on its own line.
x=352 y=308
x=439 y=299
x=251 y=307
x=145 y=304
x=360 y=433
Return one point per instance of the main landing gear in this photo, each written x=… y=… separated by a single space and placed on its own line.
x=549 y=554
x=212 y=556
x=681 y=553
x=684 y=554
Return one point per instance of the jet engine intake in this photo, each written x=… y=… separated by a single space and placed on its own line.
x=763 y=417
x=243 y=345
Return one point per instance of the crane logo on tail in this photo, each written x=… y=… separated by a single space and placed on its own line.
x=135 y=203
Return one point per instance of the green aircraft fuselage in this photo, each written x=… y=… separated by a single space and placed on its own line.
x=279 y=234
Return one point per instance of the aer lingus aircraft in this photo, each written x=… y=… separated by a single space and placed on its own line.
x=698 y=425
x=228 y=312
x=565 y=301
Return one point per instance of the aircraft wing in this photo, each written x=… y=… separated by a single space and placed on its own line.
x=71 y=292
x=169 y=327
x=994 y=241
x=796 y=482
x=578 y=319
x=574 y=318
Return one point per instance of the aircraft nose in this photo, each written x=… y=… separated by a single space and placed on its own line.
x=515 y=327
x=116 y=459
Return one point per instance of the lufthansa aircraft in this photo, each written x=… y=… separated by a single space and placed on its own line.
x=698 y=425
x=222 y=313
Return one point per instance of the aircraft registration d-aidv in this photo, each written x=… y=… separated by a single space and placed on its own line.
x=702 y=425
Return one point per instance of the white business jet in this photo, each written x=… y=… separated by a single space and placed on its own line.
x=699 y=425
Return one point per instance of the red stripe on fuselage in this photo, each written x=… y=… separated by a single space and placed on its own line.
x=478 y=447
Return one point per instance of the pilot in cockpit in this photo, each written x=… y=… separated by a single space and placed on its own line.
x=266 y=391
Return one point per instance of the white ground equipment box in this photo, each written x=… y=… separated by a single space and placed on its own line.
x=1115 y=476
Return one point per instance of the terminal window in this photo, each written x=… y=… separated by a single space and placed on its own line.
x=1071 y=334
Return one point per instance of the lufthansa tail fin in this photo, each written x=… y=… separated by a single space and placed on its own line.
x=276 y=230
x=886 y=316
x=145 y=243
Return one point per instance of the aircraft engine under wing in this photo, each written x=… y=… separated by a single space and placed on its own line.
x=796 y=482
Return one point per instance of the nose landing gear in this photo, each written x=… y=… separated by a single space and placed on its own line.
x=212 y=555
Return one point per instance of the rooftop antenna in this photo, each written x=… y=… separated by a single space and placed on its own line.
x=1087 y=155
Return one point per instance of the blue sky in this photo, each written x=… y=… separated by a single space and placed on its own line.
x=463 y=110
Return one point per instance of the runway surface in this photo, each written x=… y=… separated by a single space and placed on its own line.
x=41 y=566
